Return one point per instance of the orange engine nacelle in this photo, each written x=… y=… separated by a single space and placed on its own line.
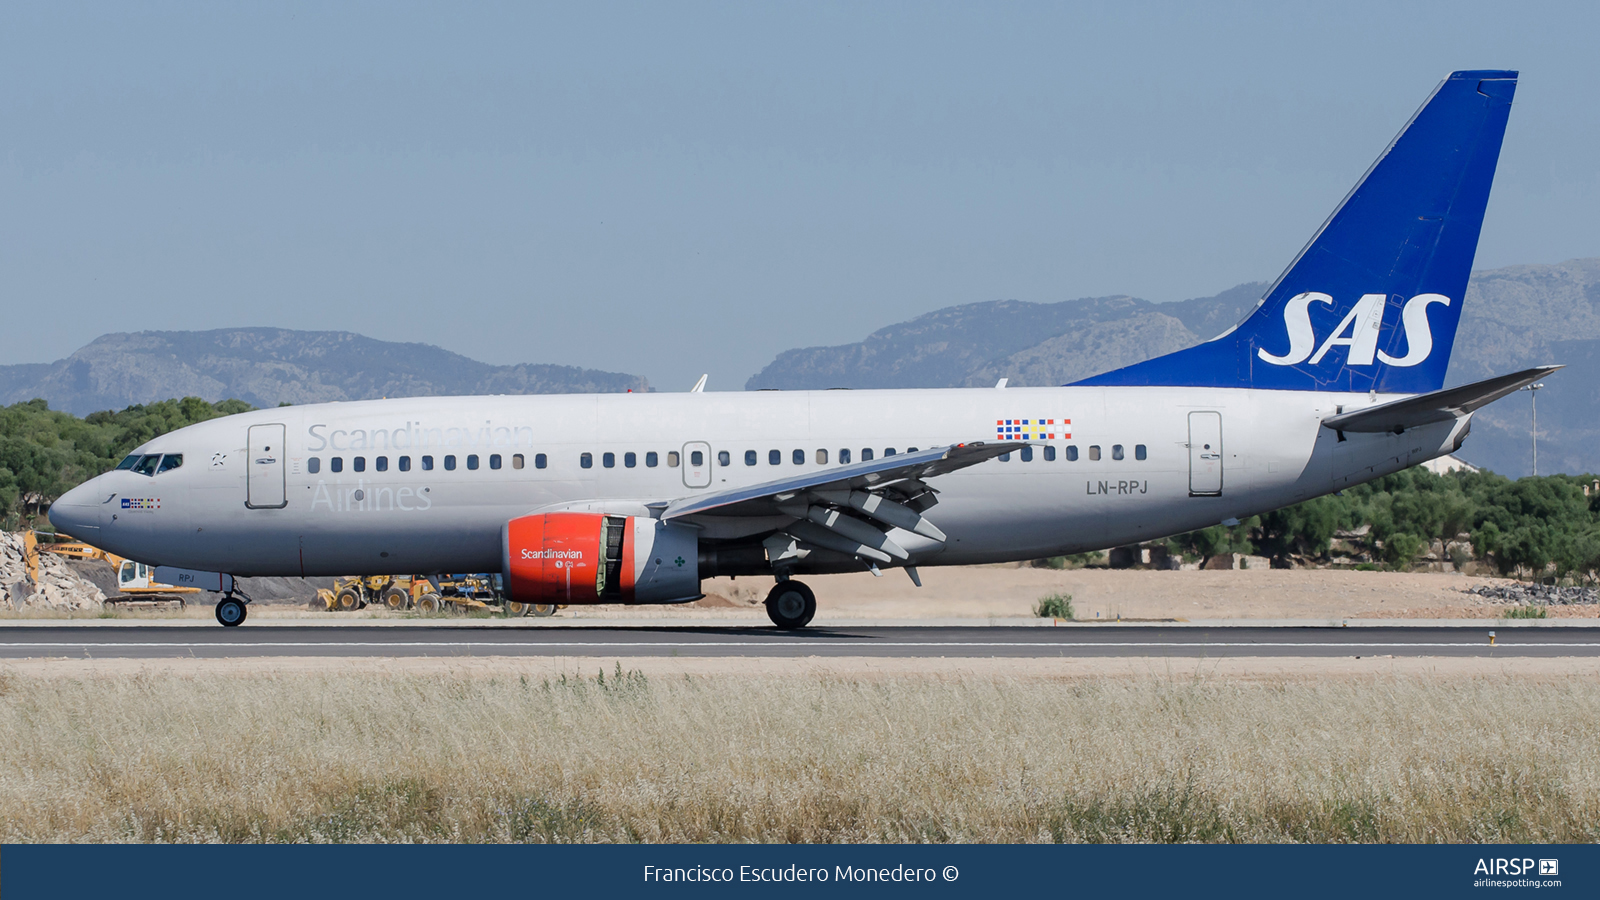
x=596 y=558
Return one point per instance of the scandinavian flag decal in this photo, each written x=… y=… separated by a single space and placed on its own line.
x=1033 y=429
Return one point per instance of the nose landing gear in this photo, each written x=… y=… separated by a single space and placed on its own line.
x=231 y=611
x=791 y=605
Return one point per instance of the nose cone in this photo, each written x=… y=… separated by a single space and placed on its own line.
x=77 y=512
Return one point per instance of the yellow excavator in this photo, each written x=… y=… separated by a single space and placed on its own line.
x=135 y=580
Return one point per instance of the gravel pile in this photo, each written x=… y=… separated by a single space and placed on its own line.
x=59 y=586
x=1521 y=594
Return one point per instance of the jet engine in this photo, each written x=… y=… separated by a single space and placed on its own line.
x=568 y=557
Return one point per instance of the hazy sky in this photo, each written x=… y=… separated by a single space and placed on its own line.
x=671 y=188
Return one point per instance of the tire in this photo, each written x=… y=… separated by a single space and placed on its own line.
x=231 y=613
x=543 y=610
x=791 y=605
x=515 y=608
x=396 y=599
x=348 y=600
x=429 y=603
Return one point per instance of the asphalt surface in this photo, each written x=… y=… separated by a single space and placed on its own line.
x=163 y=642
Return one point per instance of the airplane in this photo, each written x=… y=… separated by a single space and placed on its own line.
x=1334 y=379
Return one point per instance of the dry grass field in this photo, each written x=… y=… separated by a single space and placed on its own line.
x=412 y=756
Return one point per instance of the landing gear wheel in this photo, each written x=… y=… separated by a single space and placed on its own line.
x=396 y=599
x=348 y=600
x=231 y=612
x=543 y=610
x=791 y=605
x=429 y=603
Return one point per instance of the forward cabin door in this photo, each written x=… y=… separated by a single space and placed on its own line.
x=265 y=486
x=1205 y=454
x=697 y=464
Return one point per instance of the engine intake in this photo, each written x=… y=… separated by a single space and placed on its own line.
x=596 y=558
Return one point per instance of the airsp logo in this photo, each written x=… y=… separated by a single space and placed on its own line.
x=1358 y=331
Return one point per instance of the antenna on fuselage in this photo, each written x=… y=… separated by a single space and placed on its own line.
x=700 y=386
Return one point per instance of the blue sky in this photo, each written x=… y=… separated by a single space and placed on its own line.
x=676 y=188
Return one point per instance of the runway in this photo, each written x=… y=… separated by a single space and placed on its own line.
x=354 y=640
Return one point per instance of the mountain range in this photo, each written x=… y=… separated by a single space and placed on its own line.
x=268 y=366
x=1514 y=318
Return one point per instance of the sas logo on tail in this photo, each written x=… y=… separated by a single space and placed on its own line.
x=1358 y=331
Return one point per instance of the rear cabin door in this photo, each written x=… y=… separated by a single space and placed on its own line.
x=265 y=485
x=1205 y=454
x=697 y=464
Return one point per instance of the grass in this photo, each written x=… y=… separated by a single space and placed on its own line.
x=620 y=757
x=1526 y=612
x=1055 y=606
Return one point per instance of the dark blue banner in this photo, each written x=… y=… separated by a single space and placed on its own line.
x=345 y=872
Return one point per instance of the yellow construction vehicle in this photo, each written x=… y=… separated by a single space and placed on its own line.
x=427 y=595
x=135 y=581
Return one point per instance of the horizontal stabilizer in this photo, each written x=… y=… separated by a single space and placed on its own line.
x=1438 y=406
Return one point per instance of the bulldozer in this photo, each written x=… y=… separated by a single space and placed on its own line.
x=427 y=595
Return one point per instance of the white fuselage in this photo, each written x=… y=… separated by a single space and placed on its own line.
x=1273 y=452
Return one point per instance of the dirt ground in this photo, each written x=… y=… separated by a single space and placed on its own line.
x=1007 y=591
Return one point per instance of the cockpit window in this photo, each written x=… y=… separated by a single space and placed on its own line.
x=147 y=464
x=128 y=462
x=169 y=462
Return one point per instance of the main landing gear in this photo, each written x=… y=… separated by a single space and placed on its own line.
x=231 y=612
x=791 y=605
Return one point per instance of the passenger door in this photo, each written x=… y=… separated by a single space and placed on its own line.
x=697 y=464
x=264 y=483
x=1205 y=454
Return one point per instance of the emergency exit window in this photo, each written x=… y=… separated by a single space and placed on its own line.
x=697 y=458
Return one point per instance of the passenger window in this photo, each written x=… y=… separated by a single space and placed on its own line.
x=381 y=464
x=586 y=460
x=313 y=465
x=128 y=462
x=472 y=461
x=337 y=464
x=450 y=463
x=494 y=460
x=405 y=463
x=359 y=463
x=723 y=459
x=799 y=457
x=540 y=461
x=866 y=454
x=169 y=462
x=822 y=457
x=1072 y=453
x=1005 y=457
x=1027 y=454
x=697 y=459
x=888 y=451
x=774 y=457
x=1094 y=452
x=1049 y=454
x=630 y=459
x=427 y=464
x=609 y=460
x=1116 y=451
x=750 y=458
x=844 y=456
x=1138 y=451
x=650 y=459
x=672 y=459
x=911 y=449
x=516 y=461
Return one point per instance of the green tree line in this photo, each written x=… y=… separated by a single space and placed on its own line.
x=1544 y=527
x=44 y=452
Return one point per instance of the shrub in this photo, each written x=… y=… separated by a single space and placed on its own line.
x=1526 y=612
x=1055 y=606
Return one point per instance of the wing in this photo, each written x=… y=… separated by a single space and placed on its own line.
x=847 y=509
x=1435 y=406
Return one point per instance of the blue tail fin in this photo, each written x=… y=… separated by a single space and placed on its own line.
x=1372 y=303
